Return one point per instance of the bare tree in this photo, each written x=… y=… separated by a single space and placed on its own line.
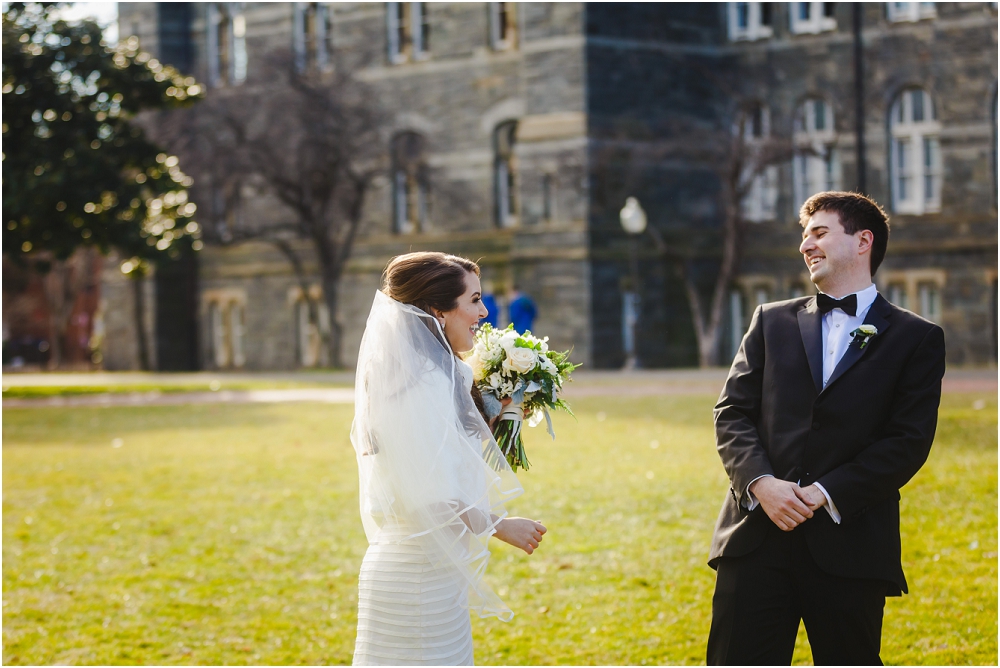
x=738 y=155
x=311 y=140
x=739 y=160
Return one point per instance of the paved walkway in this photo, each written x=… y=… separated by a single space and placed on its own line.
x=637 y=383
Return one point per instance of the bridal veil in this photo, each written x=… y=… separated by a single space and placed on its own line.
x=429 y=467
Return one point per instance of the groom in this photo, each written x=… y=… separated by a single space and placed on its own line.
x=829 y=409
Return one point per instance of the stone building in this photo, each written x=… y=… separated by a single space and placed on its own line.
x=519 y=105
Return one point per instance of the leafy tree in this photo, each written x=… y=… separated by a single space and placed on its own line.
x=76 y=172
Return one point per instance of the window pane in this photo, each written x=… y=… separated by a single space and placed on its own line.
x=902 y=160
x=820 y=110
x=897 y=295
x=829 y=8
x=765 y=13
x=742 y=15
x=805 y=9
x=917 y=101
x=830 y=166
x=400 y=203
x=502 y=10
x=931 y=149
x=930 y=301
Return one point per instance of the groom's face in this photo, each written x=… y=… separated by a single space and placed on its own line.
x=826 y=248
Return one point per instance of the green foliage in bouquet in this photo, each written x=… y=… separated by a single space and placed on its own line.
x=519 y=366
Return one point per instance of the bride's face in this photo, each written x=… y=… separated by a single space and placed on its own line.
x=460 y=322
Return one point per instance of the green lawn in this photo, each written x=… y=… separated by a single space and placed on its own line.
x=230 y=534
x=46 y=391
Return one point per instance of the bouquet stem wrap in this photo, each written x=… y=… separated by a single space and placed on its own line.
x=508 y=436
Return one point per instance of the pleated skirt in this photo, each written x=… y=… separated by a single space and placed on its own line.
x=411 y=612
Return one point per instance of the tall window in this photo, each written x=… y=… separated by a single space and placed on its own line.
x=548 y=197
x=409 y=192
x=915 y=162
x=749 y=21
x=811 y=17
x=227 y=321
x=760 y=202
x=226 y=48
x=505 y=173
x=897 y=295
x=408 y=30
x=910 y=11
x=309 y=336
x=816 y=165
x=311 y=36
x=503 y=25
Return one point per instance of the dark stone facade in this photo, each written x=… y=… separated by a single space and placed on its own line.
x=586 y=84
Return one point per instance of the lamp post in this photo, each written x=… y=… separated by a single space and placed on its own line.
x=633 y=221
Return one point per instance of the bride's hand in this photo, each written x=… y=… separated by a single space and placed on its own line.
x=521 y=532
x=504 y=403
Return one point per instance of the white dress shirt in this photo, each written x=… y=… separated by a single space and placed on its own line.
x=837 y=328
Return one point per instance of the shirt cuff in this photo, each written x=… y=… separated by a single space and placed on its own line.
x=750 y=501
x=830 y=506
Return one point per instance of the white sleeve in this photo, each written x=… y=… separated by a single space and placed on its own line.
x=831 y=507
x=751 y=500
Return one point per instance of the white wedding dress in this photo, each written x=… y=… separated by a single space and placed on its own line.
x=433 y=483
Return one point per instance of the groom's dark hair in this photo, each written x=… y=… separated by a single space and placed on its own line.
x=856 y=212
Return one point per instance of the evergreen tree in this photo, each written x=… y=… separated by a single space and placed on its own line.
x=76 y=171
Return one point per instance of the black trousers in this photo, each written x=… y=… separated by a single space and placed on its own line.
x=760 y=598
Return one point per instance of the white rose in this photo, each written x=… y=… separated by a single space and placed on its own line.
x=521 y=360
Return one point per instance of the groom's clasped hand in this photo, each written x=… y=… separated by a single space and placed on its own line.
x=787 y=504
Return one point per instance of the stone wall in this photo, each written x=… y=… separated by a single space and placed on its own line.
x=591 y=86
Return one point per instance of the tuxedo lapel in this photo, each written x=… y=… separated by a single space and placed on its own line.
x=811 y=329
x=877 y=317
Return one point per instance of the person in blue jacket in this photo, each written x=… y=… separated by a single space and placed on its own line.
x=490 y=302
x=521 y=310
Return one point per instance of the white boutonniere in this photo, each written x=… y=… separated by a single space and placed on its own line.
x=863 y=334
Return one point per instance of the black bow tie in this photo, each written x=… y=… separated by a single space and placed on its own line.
x=848 y=304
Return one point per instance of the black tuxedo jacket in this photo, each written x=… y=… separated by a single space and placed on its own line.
x=862 y=437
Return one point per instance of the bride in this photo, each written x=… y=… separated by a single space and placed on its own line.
x=433 y=481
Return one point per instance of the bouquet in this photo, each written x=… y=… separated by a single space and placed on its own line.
x=508 y=364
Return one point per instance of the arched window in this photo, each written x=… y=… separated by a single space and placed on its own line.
x=409 y=183
x=760 y=202
x=816 y=163
x=505 y=173
x=915 y=160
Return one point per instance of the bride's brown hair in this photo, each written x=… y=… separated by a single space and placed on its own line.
x=430 y=280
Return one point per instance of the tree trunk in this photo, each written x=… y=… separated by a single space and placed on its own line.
x=331 y=295
x=708 y=329
x=300 y=276
x=55 y=293
x=139 y=298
